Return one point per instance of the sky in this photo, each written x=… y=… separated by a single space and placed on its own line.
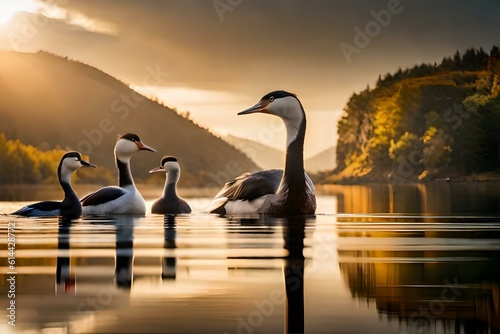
x=214 y=58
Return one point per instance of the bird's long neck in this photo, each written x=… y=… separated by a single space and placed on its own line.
x=293 y=177
x=65 y=182
x=170 y=189
x=124 y=173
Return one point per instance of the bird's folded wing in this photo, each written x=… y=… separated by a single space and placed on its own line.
x=40 y=209
x=103 y=195
x=250 y=186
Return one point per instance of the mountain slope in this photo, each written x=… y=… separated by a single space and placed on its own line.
x=267 y=157
x=323 y=161
x=264 y=156
x=49 y=101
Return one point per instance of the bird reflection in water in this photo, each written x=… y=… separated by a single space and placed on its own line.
x=124 y=225
x=293 y=228
x=65 y=281
x=169 y=263
x=124 y=250
x=293 y=236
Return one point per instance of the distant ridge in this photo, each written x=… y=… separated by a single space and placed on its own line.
x=267 y=157
x=264 y=156
x=49 y=101
x=323 y=161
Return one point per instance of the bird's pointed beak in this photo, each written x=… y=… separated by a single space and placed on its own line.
x=87 y=164
x=158 y=169
x=259 y=107
x=144 y=147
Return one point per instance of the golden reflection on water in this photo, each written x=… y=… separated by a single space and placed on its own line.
x=383 y=264
x=432 y=198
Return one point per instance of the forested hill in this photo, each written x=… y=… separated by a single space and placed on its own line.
x=427 y=122
x=51 y=102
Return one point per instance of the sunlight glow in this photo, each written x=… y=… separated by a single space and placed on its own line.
x=9 y=8
x=185 y=98
x=203 y=105
x=207 y=107
x=217 y=111
x=77 y=19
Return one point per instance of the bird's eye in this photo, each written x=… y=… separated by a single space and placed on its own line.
x=271 y=99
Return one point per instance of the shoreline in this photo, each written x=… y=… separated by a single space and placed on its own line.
x=479 y=177
x=34 y=192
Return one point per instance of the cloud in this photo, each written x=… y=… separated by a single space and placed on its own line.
x=53 y=11
x=269 y=43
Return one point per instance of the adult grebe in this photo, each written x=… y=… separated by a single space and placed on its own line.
x=70 y=206
x=124 y=199
x=170 y=203
x=273 y=191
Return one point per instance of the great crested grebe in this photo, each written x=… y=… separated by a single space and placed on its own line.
x=273 y=191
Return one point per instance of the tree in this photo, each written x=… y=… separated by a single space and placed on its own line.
x=3 y=159
x=406 y=154
x=491 y=126
x=436 y=153
x=385 y=122
x=426 y=118
x=25 y=164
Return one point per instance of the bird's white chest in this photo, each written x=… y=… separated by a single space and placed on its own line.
x=131 y=202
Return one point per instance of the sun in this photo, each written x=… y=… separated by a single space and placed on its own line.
x=9 y=8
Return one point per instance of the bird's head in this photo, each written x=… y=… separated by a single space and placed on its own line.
x=128 y=144
x=169 y=166
x=279 y=103
x=70 y=162
x=284 y=105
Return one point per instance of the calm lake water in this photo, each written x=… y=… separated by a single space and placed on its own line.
x=375 y=259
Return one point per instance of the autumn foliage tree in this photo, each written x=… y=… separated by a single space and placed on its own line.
x=26 y=164
x=434 y=120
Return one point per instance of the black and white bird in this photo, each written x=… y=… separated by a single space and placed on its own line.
x=124 y=199
x=70 y=207
x=170 y=203
x=273 y=191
